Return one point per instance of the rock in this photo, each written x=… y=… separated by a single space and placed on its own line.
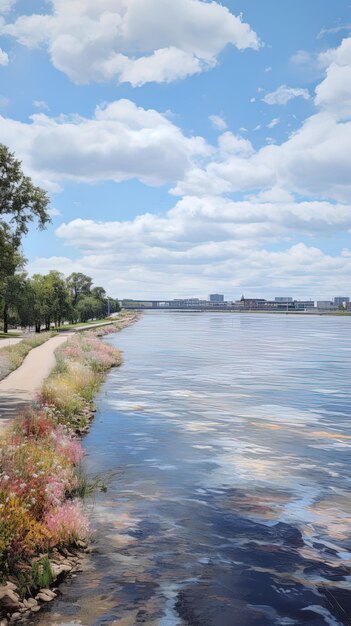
x=4 y=622
x=35 y=609
x=15 y=616
x=30 y=603
x=9 y=599
x=63 y=568
x=48 y=592
x=45 y=596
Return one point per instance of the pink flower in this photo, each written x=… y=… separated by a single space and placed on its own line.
x=67 y=524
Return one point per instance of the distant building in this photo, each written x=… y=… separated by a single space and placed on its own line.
x=303 y=305
x=341 y=300
x=326 y=305
x=283 y=299
x=188 y=302
x=216 y=297
x=250 y=304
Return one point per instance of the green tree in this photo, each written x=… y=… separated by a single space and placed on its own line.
x=20 y=200
x=10 y=262
x=89 y=308
x=58 y=299
x=79 y=285
x=20 y=203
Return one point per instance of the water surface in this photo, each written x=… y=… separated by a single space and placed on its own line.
x=228 y=440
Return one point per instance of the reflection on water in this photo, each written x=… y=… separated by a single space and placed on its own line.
x=230 y=505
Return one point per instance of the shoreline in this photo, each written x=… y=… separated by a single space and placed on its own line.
x=245 y=312
x=19 y=603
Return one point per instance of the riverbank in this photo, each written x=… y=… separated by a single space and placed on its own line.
x=42 y=524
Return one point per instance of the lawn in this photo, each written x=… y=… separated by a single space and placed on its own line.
x=9 y=335
x=83 y=324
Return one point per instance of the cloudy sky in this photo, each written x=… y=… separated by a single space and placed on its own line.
x=189 y=146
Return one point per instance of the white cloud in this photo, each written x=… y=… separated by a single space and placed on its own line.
x=294 y=191
x=4 y=57
x=6 y=5
x=41 y=104
x=218 y=122
x=54 y=212
x=283 y=95
x=315 y=161
x=334 y=92
x=333 y=30
x=273 y=123
x=194 y=225
x=228 y=143
x=300 y=270
x=208 y=242
x=136 y=41
x=121 y=142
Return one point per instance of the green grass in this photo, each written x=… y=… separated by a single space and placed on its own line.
x=9 y=335
x=83 y=324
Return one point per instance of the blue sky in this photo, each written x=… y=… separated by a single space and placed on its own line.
x=186 y=150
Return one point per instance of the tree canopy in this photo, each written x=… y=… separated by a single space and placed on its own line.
x=20 y=200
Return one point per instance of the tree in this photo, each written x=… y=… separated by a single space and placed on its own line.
x=89 y=308
x=20 y=203
x=59 y=302
x=79 y=285
x=10 y=261
x=20 y=200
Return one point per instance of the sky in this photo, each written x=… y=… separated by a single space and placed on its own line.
x=188 y=147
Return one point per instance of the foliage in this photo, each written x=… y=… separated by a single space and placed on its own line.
x=41 y=574
x=38 y=472
x=50 y=299
x=80 y=367
x=20 y=203
x=67 y=523
x=20 y=199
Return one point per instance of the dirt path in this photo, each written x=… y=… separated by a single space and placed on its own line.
x=21 y=387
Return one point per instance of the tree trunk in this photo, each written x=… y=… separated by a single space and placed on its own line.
x=37 y=328
x=5 y=316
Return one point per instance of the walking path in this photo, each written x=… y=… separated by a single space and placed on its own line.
x=10 y=342
x=21 y=387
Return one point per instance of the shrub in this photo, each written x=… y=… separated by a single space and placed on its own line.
x=67 y=524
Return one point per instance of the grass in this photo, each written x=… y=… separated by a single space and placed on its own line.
x=11 y=357
x=9 y=335
x=70 y=388
x=83 y=324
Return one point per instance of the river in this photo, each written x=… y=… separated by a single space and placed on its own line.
x=226 y=439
